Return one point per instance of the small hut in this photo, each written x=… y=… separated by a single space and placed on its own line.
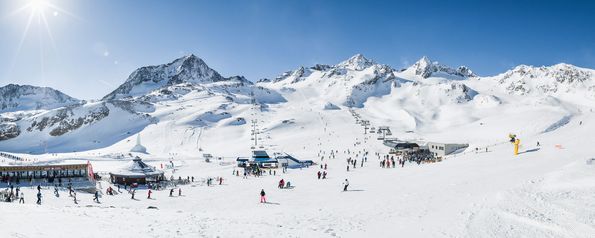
x=137 y=172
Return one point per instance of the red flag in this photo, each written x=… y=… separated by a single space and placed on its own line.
x=90 y=170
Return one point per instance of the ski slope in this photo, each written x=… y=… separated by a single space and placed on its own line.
x=543 y=192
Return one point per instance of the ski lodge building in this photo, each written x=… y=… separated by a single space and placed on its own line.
x=137 y=172
x=261 y=159
x=443 y=149
x=47 y=174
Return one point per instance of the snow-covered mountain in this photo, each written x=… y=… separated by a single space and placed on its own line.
x=547 y=80
x=188 y=69
x=426 y=68
x=134 y=105
x=347 y=83
x=186 y=94
x=14 y=97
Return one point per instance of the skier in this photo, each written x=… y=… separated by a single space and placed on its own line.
x=22 y=198
x=262 y=196
x=220 y=180
x=345 y=184
x=319 y=174
x=39 y=198
x=149 y=194
x=347 y=168
x=180 y=192
x=96 y=196
x=324 y=175
x=74 y=198
x=132 y=193
x=171 y=192
x=56 y=192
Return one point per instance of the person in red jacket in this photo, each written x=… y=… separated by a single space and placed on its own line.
x=149 y=194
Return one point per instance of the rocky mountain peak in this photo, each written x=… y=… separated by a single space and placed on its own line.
x=426 y=68
x=357 y=62
x=14 y=97
x=188 y=69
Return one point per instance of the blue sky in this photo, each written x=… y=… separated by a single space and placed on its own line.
x=95 y=45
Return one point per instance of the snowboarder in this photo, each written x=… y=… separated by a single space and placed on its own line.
x=345 y=184
x=262 y=196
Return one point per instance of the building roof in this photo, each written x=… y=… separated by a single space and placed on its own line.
x=260 y=154
x=16 y=163
x=138 y=168
x=406 y=145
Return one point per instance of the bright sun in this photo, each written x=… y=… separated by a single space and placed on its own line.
x=36 y=12
x=38 y=5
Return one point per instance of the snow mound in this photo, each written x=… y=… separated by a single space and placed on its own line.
x=237 y=122
x=330 y=106
x=486 y=101
x=560 y=123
